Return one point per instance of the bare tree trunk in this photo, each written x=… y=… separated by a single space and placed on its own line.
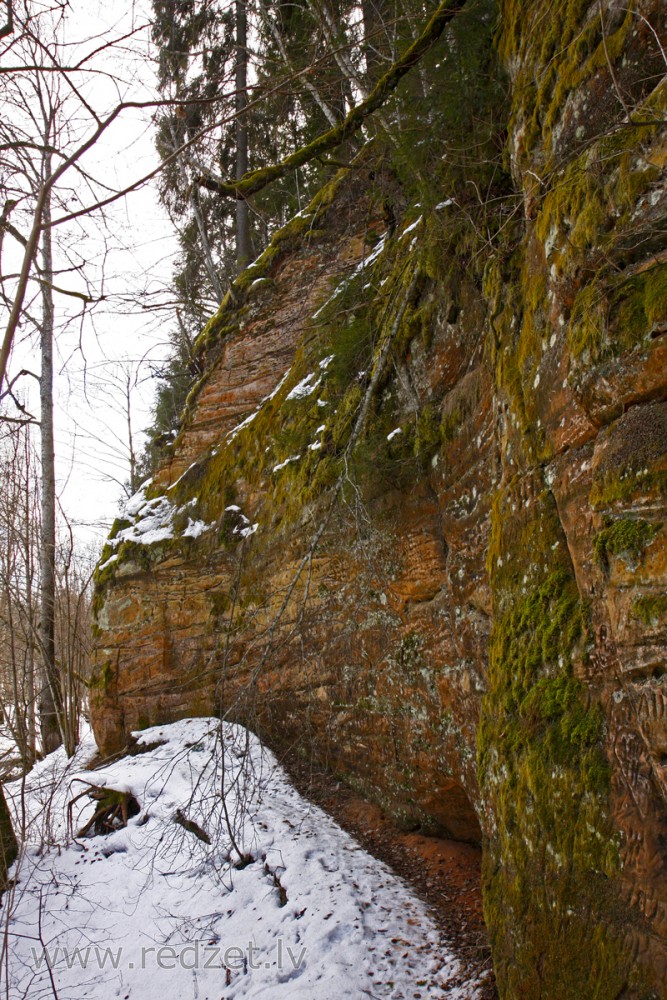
x=28 y=544
x=8 y=27
x=206 y=245
x=134 y=484
x=67 y=636
x=17 y=725
x=242 y=214
x=8 y=845
x=18 y=547
x=376 y=46
x=272 y=26
x=50 y=701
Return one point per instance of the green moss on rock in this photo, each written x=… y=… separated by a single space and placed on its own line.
x=611 y=316
x=651 y=609
x=101 y=678
x=625 y=537
x=552 y=856
x=617 y=488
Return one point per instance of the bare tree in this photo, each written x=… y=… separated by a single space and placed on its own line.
x=113 y=391
x=20 y=631
x=72 y=633
x=243 y=255
x=38 y=109
x=19 y=574
x=50 y=706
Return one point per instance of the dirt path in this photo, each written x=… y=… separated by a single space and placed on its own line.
x=444 y=873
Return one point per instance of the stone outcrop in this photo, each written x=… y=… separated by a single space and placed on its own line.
x=414 y=521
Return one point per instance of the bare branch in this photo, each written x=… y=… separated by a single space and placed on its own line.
x=259 y=179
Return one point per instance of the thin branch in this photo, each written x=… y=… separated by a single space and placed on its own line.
x=270 y=23
x=610 y=65
x=257 y=180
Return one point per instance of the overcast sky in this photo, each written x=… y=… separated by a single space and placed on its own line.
x=130 y=258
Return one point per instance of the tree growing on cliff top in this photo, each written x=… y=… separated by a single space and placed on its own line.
x=94 y=124
x=271 y=71
x=319 y=76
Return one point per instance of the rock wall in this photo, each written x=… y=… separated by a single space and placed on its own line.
x=414 y=519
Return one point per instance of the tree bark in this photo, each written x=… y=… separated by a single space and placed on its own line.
x=29 y=555
x=50 y=701
x=8 y=845
x=242 y=214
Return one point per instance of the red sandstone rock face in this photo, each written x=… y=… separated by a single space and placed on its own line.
x=627 y=666
x=371 y=648
x=389 y=658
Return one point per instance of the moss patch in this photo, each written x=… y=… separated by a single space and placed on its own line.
x=552 y=856
x=626 y=537
x=650 y=609
x=614 y=488
x=610 y=316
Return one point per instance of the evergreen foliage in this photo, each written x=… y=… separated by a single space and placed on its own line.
x=314 y=70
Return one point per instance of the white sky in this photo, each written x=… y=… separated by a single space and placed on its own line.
x=130 y=259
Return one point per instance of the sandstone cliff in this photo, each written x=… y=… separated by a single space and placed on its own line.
x=414 y=520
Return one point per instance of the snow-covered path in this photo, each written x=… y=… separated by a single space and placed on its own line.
x=156 y=913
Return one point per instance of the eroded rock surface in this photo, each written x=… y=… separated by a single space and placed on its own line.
x=457 y=601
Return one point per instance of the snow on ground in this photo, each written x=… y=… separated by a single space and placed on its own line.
x=156 y=913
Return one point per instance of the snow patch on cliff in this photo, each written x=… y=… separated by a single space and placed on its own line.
x=154 y=521
x=306 y=387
